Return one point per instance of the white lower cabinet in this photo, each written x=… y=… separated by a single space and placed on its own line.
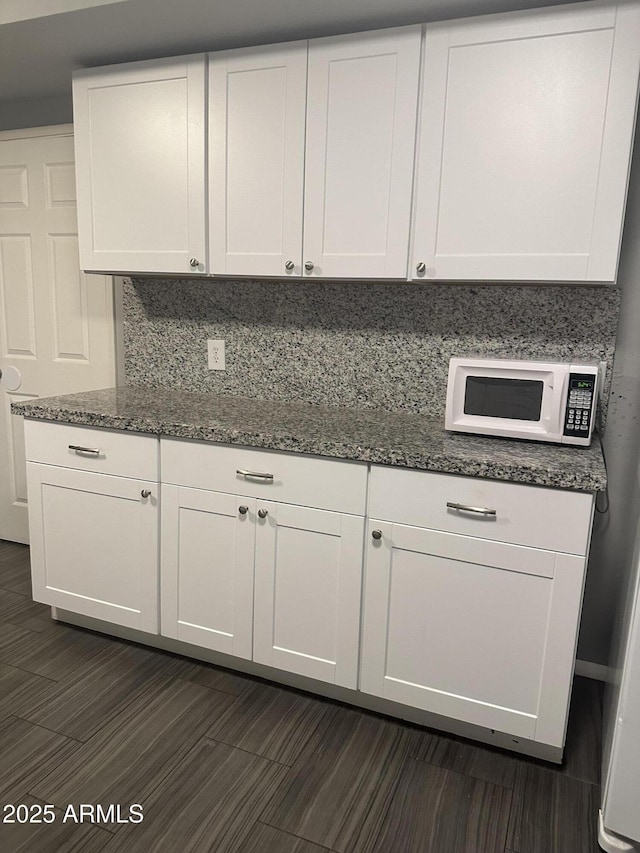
x=207 y=569
x=94 y=536
x=307 y=592
x=276 y=582
x=471 y=628
x=472 y=588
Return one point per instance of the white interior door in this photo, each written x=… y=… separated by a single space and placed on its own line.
x=56 y=324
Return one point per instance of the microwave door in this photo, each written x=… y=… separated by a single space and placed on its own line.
x=513 y=403
x=504 y=398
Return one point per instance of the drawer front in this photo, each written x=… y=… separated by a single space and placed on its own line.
x=123 y=454
x=524 y=515
x=303 y=480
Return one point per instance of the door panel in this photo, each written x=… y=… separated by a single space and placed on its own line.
x=207 y=569
x=524 y=144
x=56 y=324
x=111 y=573
x=460 y=637
x=18 y=298
x=362 y=101
x=140 y=132
x=307 y=592
x=257 y=99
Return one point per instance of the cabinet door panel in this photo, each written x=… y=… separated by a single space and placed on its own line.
x=307 y=593
x=361 y=118
x=94 y=545
x=469 y=640
x=207 y=569
x=140 y=163
x=525 y=141
x=257 y=99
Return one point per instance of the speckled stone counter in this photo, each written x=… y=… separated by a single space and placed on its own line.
x=366 y=435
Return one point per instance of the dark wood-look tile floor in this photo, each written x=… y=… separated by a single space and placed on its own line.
x=225 y=763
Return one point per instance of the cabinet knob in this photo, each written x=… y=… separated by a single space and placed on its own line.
x=377 y=534
x=243 y=510
x=146 y=493
x=308 y=265
x=193 y=263
x=263 y=513
x=421 y=267
x=289 y=265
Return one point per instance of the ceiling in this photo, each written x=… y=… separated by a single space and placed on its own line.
x=43 y=41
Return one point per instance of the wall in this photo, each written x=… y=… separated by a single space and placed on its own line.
x=352 y=344
x=38 y=112
x=615 y=532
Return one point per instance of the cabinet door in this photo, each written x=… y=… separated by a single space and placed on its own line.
x=257 y=100
x=140 y=166
x=94 y=544
x=525 y=143
x=361 y=115
x=307 y=592
x=207 y=569
x=470 y=629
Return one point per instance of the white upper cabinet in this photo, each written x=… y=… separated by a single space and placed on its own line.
x=257 y=102
x=301 y=161
x=357 y=102
x=361 y=118
x=524 y=144
x=140 y=162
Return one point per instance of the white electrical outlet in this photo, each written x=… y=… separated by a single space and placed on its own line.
x=215 y=352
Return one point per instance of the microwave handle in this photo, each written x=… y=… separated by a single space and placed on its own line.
x=557 y=403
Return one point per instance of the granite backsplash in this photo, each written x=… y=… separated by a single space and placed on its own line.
x=353 y=344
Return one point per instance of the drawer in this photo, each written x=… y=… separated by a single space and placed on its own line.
x=303 y=480
x=123 y=454
x=524 y=515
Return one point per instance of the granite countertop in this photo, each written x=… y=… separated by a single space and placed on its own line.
x=366 y=435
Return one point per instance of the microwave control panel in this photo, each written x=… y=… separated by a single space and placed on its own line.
x=579 y=411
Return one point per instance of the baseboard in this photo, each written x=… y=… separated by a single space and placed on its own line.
x=612 y=843
x=588 y=669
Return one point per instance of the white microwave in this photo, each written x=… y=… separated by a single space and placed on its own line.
x=534 y=400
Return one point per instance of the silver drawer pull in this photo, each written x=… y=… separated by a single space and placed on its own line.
x=92 y=451
x=479 y=510
x=257 y=474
